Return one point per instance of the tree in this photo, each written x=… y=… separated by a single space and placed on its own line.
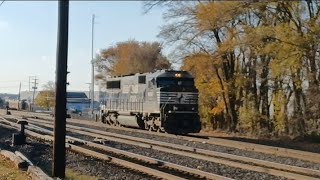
x=46 y=98
x=49 y=86
x=262 y=60
x=131 y=57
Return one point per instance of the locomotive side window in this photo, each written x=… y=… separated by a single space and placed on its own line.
x=166 y=82
x=142 y=80
x=113 y=84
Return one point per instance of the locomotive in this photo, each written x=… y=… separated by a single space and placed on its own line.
x=164 y=100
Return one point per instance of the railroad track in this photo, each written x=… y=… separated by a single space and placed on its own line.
x=276 y=169
x=276 y=151
x=150 y=166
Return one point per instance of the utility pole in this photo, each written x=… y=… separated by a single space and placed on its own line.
x=34 y=90
x=92 y=61
x=19 y=96
x=59 y=149
x=29 y=82
x=89 y=92
x=30 y=77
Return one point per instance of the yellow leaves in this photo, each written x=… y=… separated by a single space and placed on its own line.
x=240 y=81
x=196 y=63
x=132 y=57
x=218 y=109
x=212 y=15
x=45 y=99
x=248 y=115
x=288 y=53
x=207 y=82
x=202 y=67
x=286 y=65
x=279 y=101
x=227 y=46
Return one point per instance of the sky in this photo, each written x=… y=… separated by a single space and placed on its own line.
x=28 y=38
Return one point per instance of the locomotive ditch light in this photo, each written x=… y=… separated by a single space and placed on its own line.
x=178 y=75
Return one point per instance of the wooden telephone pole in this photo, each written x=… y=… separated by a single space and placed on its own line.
x=59 y=149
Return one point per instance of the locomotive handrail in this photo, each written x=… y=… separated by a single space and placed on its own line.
x=163 y=106
x=124 y=104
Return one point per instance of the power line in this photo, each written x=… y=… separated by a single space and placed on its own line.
x=34 y=90
x=11 y=86
x=2 y=2
x=12 y=81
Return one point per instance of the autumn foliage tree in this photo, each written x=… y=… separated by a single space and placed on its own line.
x=131 y=57
x=257 y=64
x=46 y=98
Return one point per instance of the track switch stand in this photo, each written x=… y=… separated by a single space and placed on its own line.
x=20 y=138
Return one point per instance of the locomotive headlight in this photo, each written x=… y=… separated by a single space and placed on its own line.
x=175 y=108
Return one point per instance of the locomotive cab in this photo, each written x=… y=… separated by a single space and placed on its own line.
x=178 y=102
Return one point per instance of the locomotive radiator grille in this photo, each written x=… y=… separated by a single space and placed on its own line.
x=177 y=97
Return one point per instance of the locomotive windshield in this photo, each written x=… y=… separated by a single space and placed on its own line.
x=169 y=82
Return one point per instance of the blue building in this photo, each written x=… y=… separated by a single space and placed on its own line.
x=77 y=102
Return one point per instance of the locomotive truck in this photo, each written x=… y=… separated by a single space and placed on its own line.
x=164 y=100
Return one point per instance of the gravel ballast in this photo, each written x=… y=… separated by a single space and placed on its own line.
x=223 y=149
x=220 y=169
x=40 y=153
x=234 y=151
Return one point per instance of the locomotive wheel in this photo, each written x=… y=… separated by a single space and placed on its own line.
x=146 y=125
x=155 y=128
x=108 y=122
x=117 y=124
x=161 y=130
x=152 y=127
x=103 y=119
x=112 y=120
x=156 y=124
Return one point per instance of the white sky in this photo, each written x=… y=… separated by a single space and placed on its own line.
x=28 y=33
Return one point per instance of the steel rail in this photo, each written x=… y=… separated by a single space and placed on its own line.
x=278 y=151
x=103 y=156
x=152 y=160
x=123 y=162
x=127 y=154
x=190 y=152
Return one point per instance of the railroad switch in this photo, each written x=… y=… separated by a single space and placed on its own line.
x=20 y=138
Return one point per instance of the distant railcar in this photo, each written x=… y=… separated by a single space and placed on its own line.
x=159 y=101
x=18 y=105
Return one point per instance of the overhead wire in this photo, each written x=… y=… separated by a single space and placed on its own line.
x=13 y=81
x=2 y=2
